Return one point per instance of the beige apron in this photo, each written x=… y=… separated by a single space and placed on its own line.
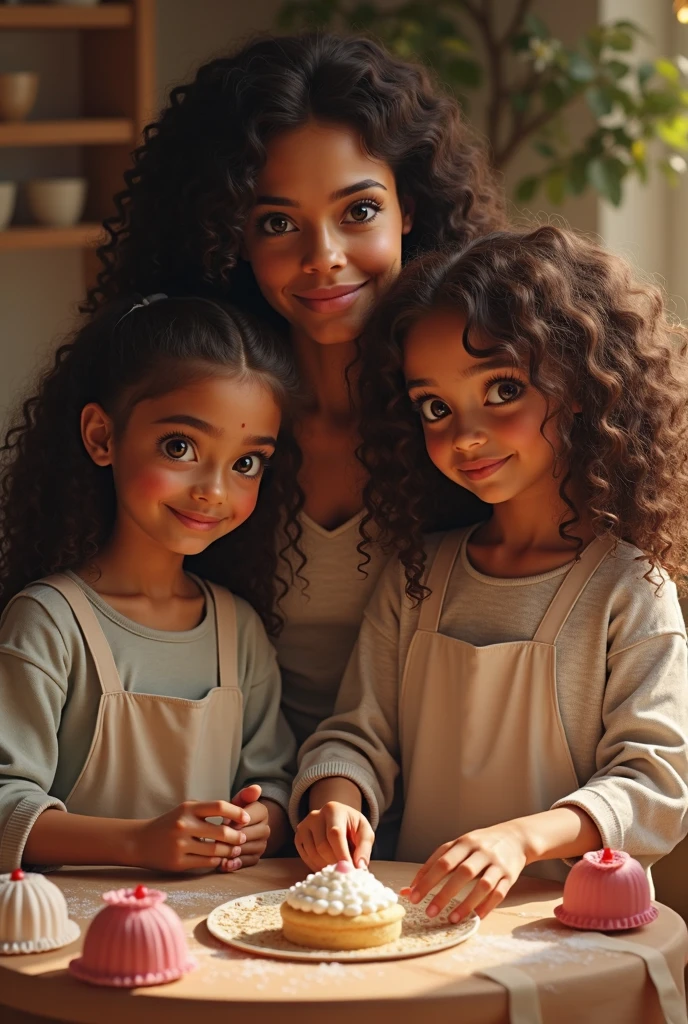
x=480 y=732
x=149 y=753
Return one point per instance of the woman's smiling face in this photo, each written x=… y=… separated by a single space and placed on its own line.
x=324 y=236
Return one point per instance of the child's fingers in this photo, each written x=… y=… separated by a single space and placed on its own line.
x=481 y=891
x=494 y=899
x=363 y=838
x=249 y=849
x=306 y=847
x=464 y=873
x=228 y=864
x=247 y=795
x=248 y=862
x=430 y=862
x=209 y=849
x=334 y=845
x=219 y=809
x=218 y=833
x=261 y=830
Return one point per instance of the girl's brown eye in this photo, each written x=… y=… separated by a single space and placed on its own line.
x=434 y=409
x=363 y=212
x=178 y=449
x=504 y=391
x=276 y=225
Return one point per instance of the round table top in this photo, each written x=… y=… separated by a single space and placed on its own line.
x=575 y=980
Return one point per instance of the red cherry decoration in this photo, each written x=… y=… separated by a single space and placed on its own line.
x=17 y=875
x=140 y=892
x=607 y=856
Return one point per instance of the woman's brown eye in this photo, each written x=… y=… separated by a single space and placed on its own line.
x=434 y=409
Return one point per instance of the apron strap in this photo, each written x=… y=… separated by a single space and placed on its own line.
x=438 y=579
x=108 y=676
x=226 y=631
x=575 y=582
x=524 y=1001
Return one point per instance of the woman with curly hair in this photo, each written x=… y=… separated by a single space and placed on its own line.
x=294 y=178
x=531 y=688
x=137 y=697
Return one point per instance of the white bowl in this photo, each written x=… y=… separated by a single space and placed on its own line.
x=8 y=197
x=57 y=202
x=18 y=91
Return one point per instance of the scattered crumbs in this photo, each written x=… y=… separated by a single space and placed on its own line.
x=544 y=945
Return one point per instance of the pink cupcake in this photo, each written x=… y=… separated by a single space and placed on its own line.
x=606 y=891
x=136 y=940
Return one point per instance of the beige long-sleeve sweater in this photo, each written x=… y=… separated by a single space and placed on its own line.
x=622 y=688
x=49 y=696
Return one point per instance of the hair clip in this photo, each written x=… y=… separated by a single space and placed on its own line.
x=147 y=301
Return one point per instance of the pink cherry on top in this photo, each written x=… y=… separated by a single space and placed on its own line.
x=607 y=890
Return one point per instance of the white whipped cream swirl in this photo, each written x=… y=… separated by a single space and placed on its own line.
x=341 y=889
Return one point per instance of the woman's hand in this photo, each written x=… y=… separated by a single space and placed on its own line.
x=326 y=835
x=182 y=839
x=493 y=858
x=257 y=831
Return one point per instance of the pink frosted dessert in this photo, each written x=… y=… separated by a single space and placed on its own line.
x=606 y=891
x=136 y=940
x=33 y=915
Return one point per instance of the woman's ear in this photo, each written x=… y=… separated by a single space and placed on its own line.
x=97 y=434
x=408 y=209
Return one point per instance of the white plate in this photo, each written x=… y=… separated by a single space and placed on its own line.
x=254 y=924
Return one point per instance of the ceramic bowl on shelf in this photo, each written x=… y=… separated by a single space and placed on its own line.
x=18 y=91
x=8 y=197
x=57 y=202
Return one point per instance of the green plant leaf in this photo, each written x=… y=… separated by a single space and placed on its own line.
x=667 y=69
x=619 y=38
x=526 y=188
x=674 y=132
x=579 y=68
x=600 y=100
x=606 y=174
x=645 y=72
x=544 y=148
x=578 y=173
x=555 y=187
x=617 y=68
x=535 y=26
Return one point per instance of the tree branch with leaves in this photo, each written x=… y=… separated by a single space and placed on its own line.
x=531 y=80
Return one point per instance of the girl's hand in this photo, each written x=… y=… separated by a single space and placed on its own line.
x=257 y=831
x=182 y=840
x=492 y=857
x=324 y=836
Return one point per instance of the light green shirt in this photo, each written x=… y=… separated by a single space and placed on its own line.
x=49 y=696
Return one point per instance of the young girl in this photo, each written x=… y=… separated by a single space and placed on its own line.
x=136 y=697
x=294 y=177
x=530 y=689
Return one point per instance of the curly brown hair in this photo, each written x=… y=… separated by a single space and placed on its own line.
x=573 y=316
x=178 y=226
x=57 y=508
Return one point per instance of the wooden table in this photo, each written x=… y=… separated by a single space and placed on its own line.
x=575 y=982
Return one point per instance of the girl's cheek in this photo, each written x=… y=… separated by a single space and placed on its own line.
x=155 y=483
x=244 y=504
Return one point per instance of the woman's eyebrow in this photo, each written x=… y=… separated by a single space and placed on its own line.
x=340 y=193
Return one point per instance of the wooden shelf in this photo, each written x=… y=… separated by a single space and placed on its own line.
x=81 y=236
x=83 y=131
x=52 y=15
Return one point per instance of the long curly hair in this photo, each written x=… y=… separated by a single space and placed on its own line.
x=574 y=317
x=179 y=219
x=57 y=508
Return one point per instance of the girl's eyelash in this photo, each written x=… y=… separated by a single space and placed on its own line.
x=263 y=456
x=503 y=378
x=370 y=201
x=265 y=217
x=418 y=401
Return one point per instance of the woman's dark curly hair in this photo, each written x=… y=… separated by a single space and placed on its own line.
x=58 y=508
x=178 y=226
x=574 y=318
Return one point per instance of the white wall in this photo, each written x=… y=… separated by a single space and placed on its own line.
x=651 y=225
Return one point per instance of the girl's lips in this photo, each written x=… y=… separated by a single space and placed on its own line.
x=195 y=521
x=330 y=300
x=482 y=468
